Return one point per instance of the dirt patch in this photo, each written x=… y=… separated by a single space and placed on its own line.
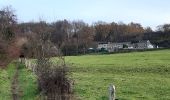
x=15 y=85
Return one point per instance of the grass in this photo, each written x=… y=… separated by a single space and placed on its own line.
x=27 y=83
x=6 y=76
x=137 y=75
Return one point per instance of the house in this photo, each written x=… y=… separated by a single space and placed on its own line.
x=143 y=45
x=105 y=46
x=111 y=47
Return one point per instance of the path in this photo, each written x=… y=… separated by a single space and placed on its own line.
x=15 y=84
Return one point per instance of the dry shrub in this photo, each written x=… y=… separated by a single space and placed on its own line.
x=9 y=50
x=13 y=51
x=53 y=79
x=3 y=53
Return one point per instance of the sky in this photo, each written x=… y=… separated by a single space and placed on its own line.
x=146 y=12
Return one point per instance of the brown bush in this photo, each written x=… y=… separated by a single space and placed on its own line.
x=53 y=79
x=3 y=53
x=8 y=51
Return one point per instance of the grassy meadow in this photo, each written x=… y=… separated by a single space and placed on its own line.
x=137 y=75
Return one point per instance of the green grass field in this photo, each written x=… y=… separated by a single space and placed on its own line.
x=137 y=75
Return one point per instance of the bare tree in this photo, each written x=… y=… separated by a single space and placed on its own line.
x=53 y=80
x=77 y=27
x=86 y=37
x=7 y=23
x=7 y=33
x=164 y=28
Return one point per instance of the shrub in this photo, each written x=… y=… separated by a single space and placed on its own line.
x=53 y=79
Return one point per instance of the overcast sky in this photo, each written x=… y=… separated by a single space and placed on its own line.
x=147 y=12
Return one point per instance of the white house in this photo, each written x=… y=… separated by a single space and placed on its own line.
x=143 y=45
x=111 y=47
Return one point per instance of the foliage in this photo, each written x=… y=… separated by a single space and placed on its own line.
x=75 y=37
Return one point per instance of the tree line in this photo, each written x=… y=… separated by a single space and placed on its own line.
x=74 y=37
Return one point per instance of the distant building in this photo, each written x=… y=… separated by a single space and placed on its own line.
x=105 y=45
x=111 y=47
x=143 y=45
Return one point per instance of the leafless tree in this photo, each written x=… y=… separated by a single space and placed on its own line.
x=8 y=21
x=77 y=26
x=53 y=79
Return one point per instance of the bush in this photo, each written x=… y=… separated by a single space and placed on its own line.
x=53 y=79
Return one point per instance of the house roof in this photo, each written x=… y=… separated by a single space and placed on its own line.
x=142 y=41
